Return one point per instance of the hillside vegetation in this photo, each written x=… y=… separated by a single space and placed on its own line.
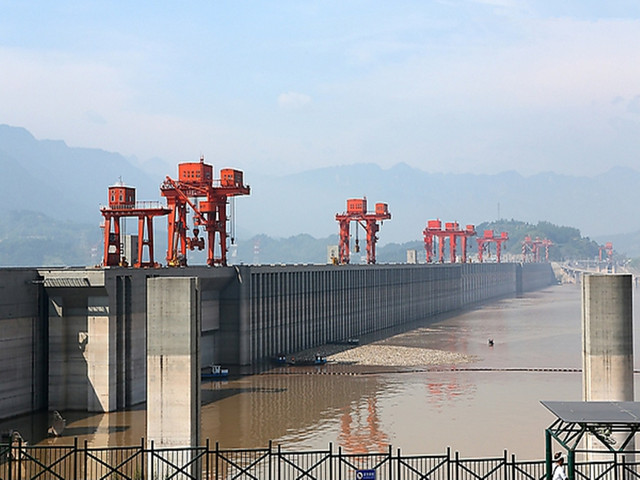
x=33 y=239
x=568 y=244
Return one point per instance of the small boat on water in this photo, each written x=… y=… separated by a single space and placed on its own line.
x=347 y=341
x=320 y=360
x=214 y=372
x=317 y=360
x=280 y=359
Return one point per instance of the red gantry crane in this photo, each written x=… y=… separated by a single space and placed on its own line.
x=195 y=181
x=531 y=249
x=487 y=239
x=122 y=203
x=451 y=231
x=608 y=249
x=357 y=212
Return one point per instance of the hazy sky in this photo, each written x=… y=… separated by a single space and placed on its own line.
x=445 y=86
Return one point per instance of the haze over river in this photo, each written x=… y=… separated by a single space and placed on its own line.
x=478 y=408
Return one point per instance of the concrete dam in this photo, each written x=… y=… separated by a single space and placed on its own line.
x=75 y=338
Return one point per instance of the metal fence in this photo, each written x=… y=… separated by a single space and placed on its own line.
x=79 y=461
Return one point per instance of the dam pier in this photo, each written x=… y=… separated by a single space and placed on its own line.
x=75 y=338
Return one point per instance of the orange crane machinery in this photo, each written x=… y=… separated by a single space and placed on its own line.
x=546 y=243
x=434 y=227
x=122 y=203
x=527 y=249
x=608 y=248
x=195 y=181
x=451 y=231
x=357 y=212
x=531 y=249
x=488 y=238
x=468 y=232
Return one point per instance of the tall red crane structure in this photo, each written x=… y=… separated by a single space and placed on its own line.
x=122 y=203
x=531 y=249
x=528 y=250
x=546 y=243
x=451 y=231
x=608 y=248
x=195 y=181
x=468 y=232
x=357 y=212
x=487 y=239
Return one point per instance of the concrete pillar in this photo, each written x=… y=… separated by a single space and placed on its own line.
x=607 y=346
x=607 y=338
x=100 y=355
x=173 y=362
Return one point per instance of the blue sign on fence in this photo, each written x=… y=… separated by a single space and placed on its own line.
x=365 y=475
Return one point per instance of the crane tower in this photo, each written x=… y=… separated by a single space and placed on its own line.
x=207 y=198
x=357 y=212
x=122 y=203
x=488 y=238
x=452 y=232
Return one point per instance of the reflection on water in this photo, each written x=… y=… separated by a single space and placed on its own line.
x=478 y=413
x=360 y=429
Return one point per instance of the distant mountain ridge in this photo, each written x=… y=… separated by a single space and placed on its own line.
x=69 y=184
x=307 y=202
x=64 y=182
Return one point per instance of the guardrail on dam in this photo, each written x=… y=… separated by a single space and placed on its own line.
x=73 y=338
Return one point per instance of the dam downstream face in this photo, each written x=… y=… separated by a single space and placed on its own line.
x=478 y=408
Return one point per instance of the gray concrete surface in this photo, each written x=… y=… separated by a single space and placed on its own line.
x=173 y=362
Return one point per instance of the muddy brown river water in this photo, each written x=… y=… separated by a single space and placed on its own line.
x=479 y=408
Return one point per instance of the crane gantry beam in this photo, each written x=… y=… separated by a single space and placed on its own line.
x=357 y=212
x=122 y=204
x=452 y=232
x=487 y=239
x=532 y=249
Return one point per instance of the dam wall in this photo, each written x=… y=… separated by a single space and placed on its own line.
x=296 y=309
x=534 y=276
x=75 y=338
x=23 y=342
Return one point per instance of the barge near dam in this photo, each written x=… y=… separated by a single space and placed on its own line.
x=75 y=338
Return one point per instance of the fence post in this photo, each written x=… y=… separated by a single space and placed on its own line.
x=330 y=461
x=505 y=459
x=18 y=457
x=339 y=462
x=448 y=463
x=207 y=463
x=75 y=458
x=456 y=461
x=398 y=471
x=10 y=457
x=277 y=459
x=217 y=458
x=390 y=464
x=143 y=453
x=151 y=463
x=513 y=465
